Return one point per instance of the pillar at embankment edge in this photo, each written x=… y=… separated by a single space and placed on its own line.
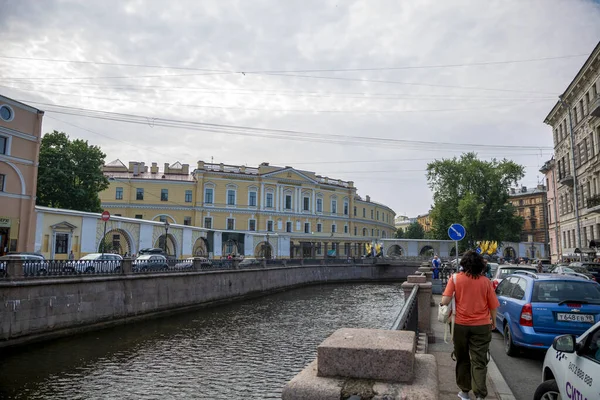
x=424 y=298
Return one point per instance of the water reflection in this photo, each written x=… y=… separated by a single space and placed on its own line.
x=245 y=350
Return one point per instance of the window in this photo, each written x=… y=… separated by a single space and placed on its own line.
x=252 y=199
x=139 y=194
x=162 y=218
x=187 y=220
x=307 y=227
x=345 y=208
x=334 y=206
x=61 y=245
x=139 y=216
x=230 y=197
x=364 y=231
x=333 y=228
x=288 y=201
x=378 y=215
x=306 y=204
x=319 y=227
x=288 y=226
x=188 y=196
x=364 y=212
x=533 y=225
x=208 y=195
x=270 y=226
x=208 y=222
x=372 y=232
x=532 y=211
x=6 y=113
x=251 y=224
x=355 y=211
x=355 y=231
x=3 y=145
x=345 y=228
x=520 y=202
x=319 y=205
x=164 y=194
x=119 y=193
x=230 y=224
x=269 y=200
x=372 y=215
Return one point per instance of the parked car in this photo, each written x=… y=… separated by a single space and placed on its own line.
x=33 y=264
x=535 y=308
x=249 y=262
x=506 y=269
x=574 y=270
x=493 y=268
x=154 y=250
x=95 y=263
x=572 y=367
x=188 y=263
x=592 y=267
x=150 y=262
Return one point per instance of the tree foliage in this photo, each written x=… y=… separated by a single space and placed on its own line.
x=474 y=193
x=70 y=173
x=415 y=231
x=399 y=234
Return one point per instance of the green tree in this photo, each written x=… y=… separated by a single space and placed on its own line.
x=415 y=231
x=70 y=173
x=399 y=234
x=474 y=193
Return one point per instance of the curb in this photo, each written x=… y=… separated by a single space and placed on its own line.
x=502 y=388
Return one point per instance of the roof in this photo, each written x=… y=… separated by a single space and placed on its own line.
x=176 y=165
x=19 y=104
x=563 y=277
x=595 y=53
x=528 y=192
x=116 y=163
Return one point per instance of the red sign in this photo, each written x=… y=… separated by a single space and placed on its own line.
x=105 y=216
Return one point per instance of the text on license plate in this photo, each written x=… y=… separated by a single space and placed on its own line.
x=575 y=317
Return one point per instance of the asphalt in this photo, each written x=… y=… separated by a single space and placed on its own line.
x=498 y=388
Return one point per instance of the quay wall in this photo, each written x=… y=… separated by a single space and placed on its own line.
x=45 y=308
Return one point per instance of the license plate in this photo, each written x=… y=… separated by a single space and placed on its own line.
x=589 y=318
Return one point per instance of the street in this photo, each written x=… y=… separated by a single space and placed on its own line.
x=523 y=373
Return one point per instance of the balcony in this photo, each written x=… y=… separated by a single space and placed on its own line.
x=593 y=203
x=595 y=107
x=566 y=179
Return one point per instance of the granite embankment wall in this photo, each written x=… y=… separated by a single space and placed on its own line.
x=45 y=308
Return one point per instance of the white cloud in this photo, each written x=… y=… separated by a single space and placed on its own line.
x=298 y=35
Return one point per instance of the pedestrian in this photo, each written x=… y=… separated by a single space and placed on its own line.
x=540 y=268
x=71 y=255
x=436 y=263
x=475 y=318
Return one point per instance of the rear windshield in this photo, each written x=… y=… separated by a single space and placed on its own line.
x=507 y=271
x=555 y=291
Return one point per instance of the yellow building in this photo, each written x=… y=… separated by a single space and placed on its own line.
x=307 y=214
x=425 y=221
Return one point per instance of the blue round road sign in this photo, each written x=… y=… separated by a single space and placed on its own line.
x=478 y=250
x=456 y=232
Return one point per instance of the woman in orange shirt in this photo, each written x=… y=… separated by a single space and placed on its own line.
x=475 y=317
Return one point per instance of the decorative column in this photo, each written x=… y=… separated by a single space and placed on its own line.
x=262 y=196
x=313 y=206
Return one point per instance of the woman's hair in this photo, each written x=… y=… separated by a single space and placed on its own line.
x=473 y=264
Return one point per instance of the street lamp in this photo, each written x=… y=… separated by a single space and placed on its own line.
x=166 y=234
x=267 y=251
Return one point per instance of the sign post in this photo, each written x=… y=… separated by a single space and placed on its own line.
x=456 y=232
x=105 y=218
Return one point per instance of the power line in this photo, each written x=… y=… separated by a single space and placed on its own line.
x=272 y=133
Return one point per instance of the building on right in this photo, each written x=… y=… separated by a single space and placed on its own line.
x=554 y=244
x=575 y=122
x=530 y=204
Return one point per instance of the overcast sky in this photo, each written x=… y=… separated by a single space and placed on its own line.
x=363 y=84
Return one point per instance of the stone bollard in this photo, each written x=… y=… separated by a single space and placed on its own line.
x=367 y=363
x=197 y=264
x=127 y=266
x=424 y=298
x=14 y=269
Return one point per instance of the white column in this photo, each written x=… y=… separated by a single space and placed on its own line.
x=298 y=195
x=262 y=196
x=314 y=202
x=277 y=198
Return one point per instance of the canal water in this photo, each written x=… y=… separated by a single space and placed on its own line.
x=247 y=350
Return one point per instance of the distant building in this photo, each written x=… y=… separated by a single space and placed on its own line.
x=531 y=205
x=403 y=222
x=425 y=221
x=575 y=123
x=20 y=136
x=554 y=243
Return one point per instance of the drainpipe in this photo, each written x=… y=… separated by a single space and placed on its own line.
x=574 y=171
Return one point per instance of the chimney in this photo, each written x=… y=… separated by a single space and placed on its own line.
x=200 y=164
x=243 y=169
x=186 y=169
x=350 y=183
x=166 y=170
x=524 y=189
x=368 y=198
x=512 y=191
x=143 y=168
x=221 y=167
x=154 y=168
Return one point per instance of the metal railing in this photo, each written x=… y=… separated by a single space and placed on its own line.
x=52 y=268
x=408 y=317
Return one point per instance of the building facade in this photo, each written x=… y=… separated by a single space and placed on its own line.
x=554 y=243
x=20 y=137
x=530 y=204
x=403 y=222
x=575 y=122
x=425 y=221
x=319 y=216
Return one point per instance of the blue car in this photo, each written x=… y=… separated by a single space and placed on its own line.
x=537 y=307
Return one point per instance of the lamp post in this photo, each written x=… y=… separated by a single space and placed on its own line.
x=268 y=249
x=166 y=235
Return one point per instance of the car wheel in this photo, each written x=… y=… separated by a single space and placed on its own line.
x=509 y=347
x=548 y=390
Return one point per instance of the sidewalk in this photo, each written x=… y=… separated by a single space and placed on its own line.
x=497 y=387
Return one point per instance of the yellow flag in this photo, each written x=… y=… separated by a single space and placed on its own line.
x=483 y=246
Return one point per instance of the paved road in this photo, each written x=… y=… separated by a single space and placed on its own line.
x=523 y=374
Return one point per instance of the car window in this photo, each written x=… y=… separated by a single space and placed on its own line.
x=591 y=349
x=555 y=291
x=520 y=285
x=506 y=288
